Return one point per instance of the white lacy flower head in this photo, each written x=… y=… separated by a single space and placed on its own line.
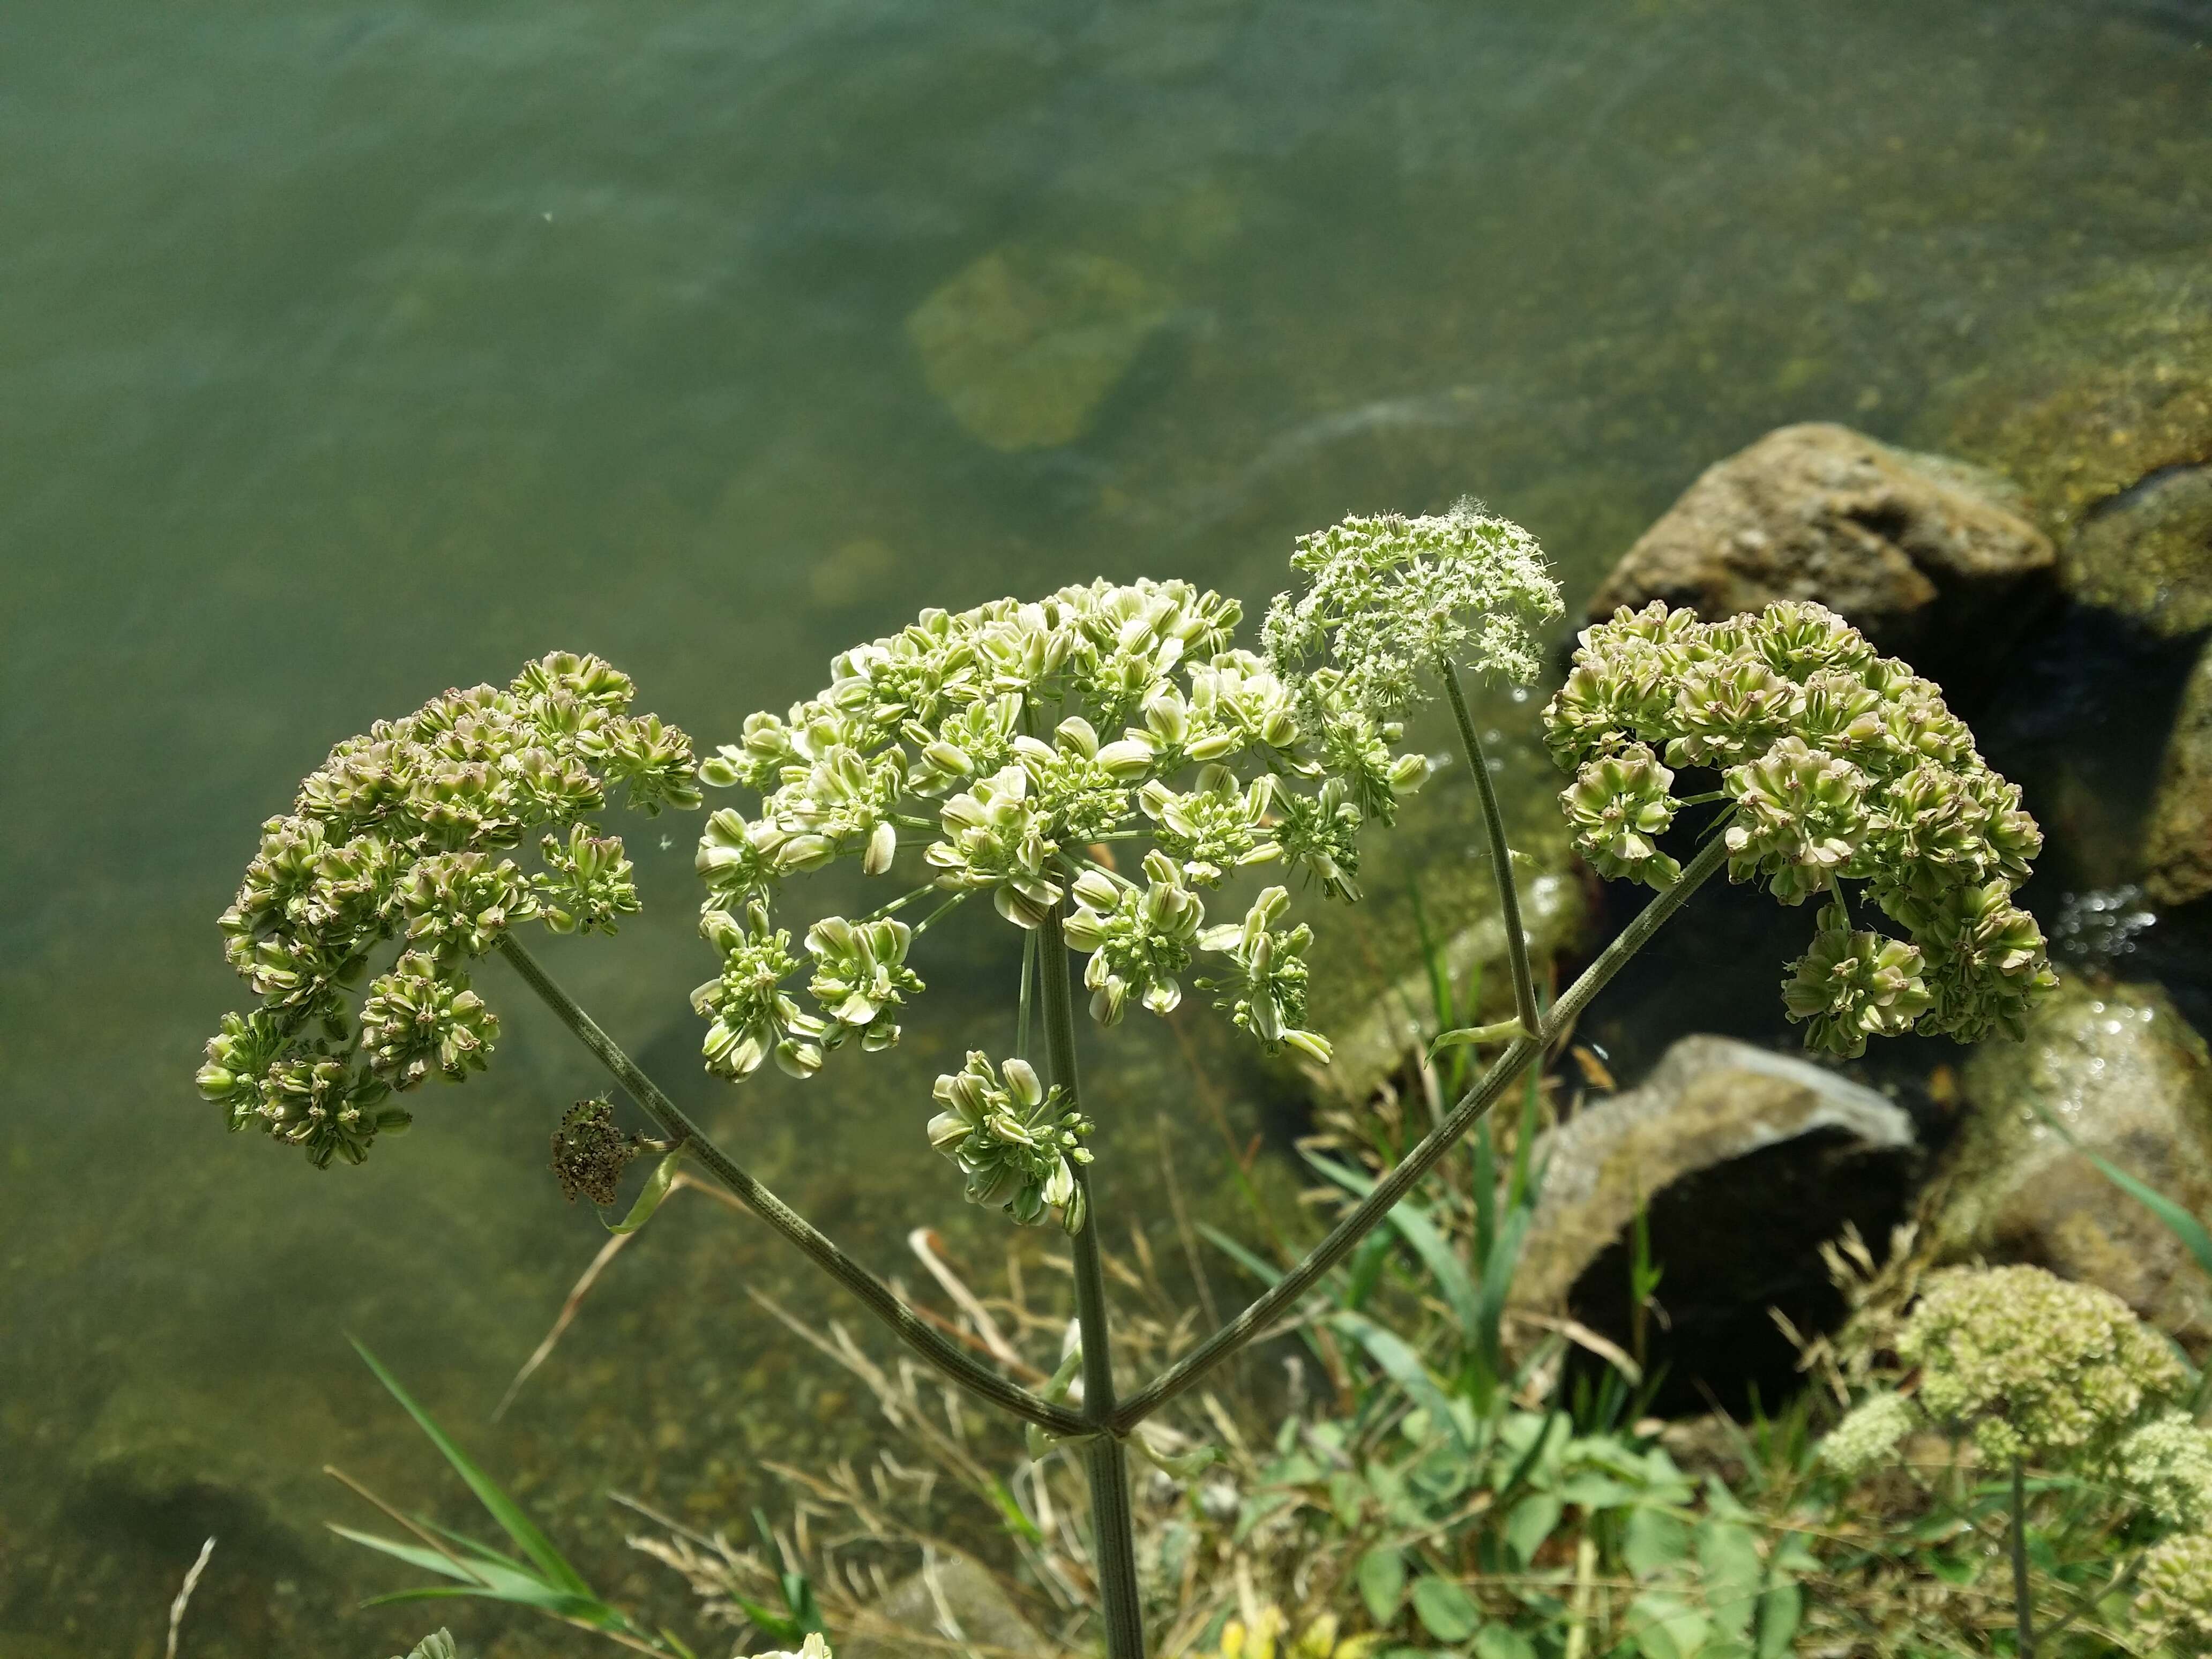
x=814 y=1647
x=1041 y=753
x=1391 y=598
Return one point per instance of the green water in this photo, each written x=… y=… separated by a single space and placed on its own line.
x=350 y=351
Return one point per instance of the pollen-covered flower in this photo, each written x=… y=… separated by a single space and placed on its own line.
x=1139 y=938
x=1392 y=600
x=2031 y=1365
x=1852 y=985
x=399 y=835
x=1012 y=1140
x=861 y=975
x=753 y=1016
x=1617 y=802
x=1263 y=989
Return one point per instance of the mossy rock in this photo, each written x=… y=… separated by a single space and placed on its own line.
x=1024 y=345
x=2178 y=839
x=2146 y=553
x=2130 y=1082
x=2111 y=384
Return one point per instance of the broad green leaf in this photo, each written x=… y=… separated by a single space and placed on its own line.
x=1446 y=1611
x=1663 y=1626
x=502 y=1508
x=656 y=1187
x=1382 y=1583
x=1728 y=1556
x=1780 y=1611
x=1404 y=1367
x=1653 y=1541
x=1503 y=1642
x=1533 y=1519
x=1593 y=1491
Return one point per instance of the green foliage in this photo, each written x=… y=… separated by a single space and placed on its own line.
x=541 y=1578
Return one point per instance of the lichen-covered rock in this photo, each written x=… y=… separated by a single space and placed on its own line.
x=2177 y=839
x=2131 y=1082
x=1909 y=547
x=1024 y=345
x=952 y=1599
x=1745 y=1162
x=2146 y=553
x=2110 y=384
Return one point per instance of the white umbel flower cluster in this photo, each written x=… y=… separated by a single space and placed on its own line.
x=1391 y=598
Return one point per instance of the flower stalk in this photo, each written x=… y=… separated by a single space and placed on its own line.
x=1501 y=855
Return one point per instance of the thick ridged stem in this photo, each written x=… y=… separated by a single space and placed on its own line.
x=1112 y=1529
x=1288 y=1291
x=879 y=1297
x=1501 y=855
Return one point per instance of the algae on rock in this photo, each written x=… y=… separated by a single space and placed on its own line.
x=1024 y=345
x=2131 y=1082
x=2178 y=839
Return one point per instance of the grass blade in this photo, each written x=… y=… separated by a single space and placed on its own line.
x=502 y=1509
x=1404 y=1367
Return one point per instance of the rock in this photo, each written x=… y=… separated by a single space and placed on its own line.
x=1745 y=1162
x=2108 y=386
x=2131 y=1082
x=1024 y=345
x=986 y=1618
x=2177 y=839
x=1370 y=990
x=2146 y=553
x=1913 y=548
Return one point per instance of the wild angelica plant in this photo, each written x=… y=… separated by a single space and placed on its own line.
x=1035 y=752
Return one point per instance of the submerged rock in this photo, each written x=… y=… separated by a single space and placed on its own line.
x=1911 y=548
x=2110 y=386
x=2131 y=1082
x=1745 y=1162
x=954 y=1598
x=1024 y=345
x=2146 y=553
x=2178 y=839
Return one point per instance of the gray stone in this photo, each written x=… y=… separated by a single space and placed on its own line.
x=1909 y=547
x=984 y=1617
x=1023 y=345
x=2177 y=838
x=2131 y=1082
x=1745 y=1162
x=2146 y=553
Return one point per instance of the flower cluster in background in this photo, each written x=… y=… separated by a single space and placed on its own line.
x=1838 y=764
x=1034 y=751
x=397 y=836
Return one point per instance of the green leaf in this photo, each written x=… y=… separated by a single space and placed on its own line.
x=1728 y=1558
x=1653 y=1541
x=1534 y=1519
x=1503 y=1642
x=1780 y=1611
x=1665 y=1627
x=1381 y=1576
x=1243 y=1257
x=1404 y=1367
x=656 y=1187
x=1446 y=1611
x=2179 y=1221
x=1414 y=1226
x=502 y=1508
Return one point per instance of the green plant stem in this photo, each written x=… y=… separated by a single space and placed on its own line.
x=1288 y=1291
x=1501 y=855
x=1114 y=1540
x=880 y=1298
x=2023 y=1611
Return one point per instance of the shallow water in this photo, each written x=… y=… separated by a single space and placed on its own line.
x=348 y=351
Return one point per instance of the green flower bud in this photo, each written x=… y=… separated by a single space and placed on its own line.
x=1851 y=986
x=420 y=1016
x=1010 y=1139
x=1616 y=804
